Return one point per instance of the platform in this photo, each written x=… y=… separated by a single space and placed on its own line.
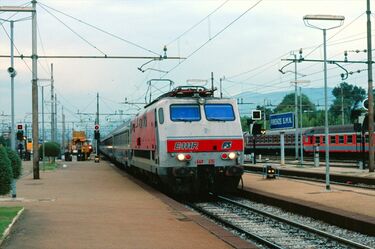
x=95 y=205
x=340 y=202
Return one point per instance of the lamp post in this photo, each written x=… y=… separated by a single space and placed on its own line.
x=322 y=19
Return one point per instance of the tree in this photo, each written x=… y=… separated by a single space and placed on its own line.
x=15 y=163
x=346 y=95
x=52 y=149
x=287 y=104
x=6 y=174
x=4 y=141
x=310 y=115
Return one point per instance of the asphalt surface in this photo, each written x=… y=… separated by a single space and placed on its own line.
x=89 y=205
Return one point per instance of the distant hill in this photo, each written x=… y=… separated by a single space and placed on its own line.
x=316 y=95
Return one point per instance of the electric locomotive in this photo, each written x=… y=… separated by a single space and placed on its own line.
x=187 y=140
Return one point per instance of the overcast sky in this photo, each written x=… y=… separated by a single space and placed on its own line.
x=247 y=53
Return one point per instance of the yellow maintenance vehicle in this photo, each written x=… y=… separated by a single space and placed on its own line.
x=79 y=146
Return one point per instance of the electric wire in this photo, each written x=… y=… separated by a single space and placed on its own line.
x=19 y=53
x=198 y=23
x=100 y=29
x=44 y=52
x=74 y=32
x=209 y=40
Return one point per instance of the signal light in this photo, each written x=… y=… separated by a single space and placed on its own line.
x=19 y=127
x=224 y=156
x=257 y=114
x=20 y=135
x=96 y=127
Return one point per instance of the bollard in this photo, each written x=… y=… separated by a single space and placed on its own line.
x=316 y=155
x=360 y=165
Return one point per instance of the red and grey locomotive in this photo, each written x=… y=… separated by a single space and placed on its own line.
x=187 y=139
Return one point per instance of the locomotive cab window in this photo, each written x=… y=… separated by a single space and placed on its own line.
x=219 y=112
x=161 y=115
x=185 y=113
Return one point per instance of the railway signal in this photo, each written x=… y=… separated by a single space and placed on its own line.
x=257 y=114
x=96 y=132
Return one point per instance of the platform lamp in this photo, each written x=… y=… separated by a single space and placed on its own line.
x=322 y=20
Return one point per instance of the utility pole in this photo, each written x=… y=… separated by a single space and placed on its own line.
x=370 y=92
x=55 y=119
x=12 y=75
x=264 y=114
x=97 y=119
x=212 y=83
x=35 y=125
x=221 y=88
x=342 y=106
x=295 y=106
x=63 y=130
x=53 y=138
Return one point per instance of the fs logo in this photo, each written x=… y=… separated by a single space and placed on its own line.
x=186 y=145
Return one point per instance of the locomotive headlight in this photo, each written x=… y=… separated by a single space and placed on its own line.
x=232 y=155
x=181 y=157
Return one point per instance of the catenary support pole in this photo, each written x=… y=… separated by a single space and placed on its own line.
x=35 y=124
x=295 y=107
x=13 y=125
x=282 y=148
x=370 y=91
x=52 y=107
x=301 y=133
x=328 y=187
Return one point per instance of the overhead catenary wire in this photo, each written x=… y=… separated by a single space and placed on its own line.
x=19 y=53
x=198 y=23
x=100 y=29
x=213 y=37
x=74 y=32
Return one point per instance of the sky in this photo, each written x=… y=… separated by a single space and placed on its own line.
x=241 y=41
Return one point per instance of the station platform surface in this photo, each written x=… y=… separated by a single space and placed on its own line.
x=350 y=200
x=95 y=205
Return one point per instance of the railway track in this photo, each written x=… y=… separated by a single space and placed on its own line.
x=270 y=230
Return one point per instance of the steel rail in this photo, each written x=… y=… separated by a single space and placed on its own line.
x=296 y=224
x=230 y=225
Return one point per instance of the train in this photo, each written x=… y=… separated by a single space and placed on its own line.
x=186 y=140
x=344 y=142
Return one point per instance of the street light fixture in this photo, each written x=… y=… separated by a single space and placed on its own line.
x=322 y=19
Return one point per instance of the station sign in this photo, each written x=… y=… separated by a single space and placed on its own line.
x=282 y=121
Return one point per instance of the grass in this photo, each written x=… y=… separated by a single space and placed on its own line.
x=48 y=165
x=6 y=216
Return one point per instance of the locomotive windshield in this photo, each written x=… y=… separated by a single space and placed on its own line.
x=219 y=112
x=185 y=113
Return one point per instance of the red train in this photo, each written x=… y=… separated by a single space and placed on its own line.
x=343 y=141
x=187 y=140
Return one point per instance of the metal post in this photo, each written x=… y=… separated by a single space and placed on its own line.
x=13 y=125
x=221 y=88
x=301 y=133
x=43 y=131
x=97 y=121
x=282 y=148
x=55 y=121
x=342 y=106
x=212 y=83
x=35 y=125
x=295 y=107
x=52 y=109
x=370 y=92
x=264 y=115
x=328 y=187
x=63 y=130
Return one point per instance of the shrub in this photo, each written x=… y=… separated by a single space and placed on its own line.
x=15 y=162
x=52 y=149
x=4 y=141
x=5 y=172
